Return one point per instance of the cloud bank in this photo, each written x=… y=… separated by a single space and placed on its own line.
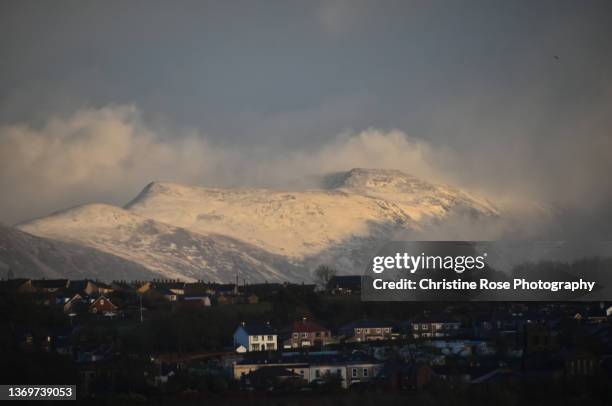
x=108 y=154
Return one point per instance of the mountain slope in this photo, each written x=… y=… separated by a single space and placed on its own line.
x=35 y=257
x=193 y=232
x=168 y=251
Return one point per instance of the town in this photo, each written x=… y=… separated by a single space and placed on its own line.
x=171 y=340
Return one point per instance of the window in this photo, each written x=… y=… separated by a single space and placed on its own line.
x=304 y=335
x=415 y=327
x=270 y=338
x=424 y=326
x=255 y=338
x=354 y=372
x=296 y=335
x=254 y=347
x=378 y=331
x=365 y=372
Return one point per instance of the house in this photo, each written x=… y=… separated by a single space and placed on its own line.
x=594 y=315
x=84 y=287
x=168 y=294
x=256 y=337
x=367 y=330
x=307 y=333
x=75 y=305
x=102 y=305
x=344 y=285
x=103 y=288
x=194 y=302
x=315 y=367
x=122 y=287
x=50 y=285
x=434 y=327
x=16 y=286
x=176 y=287
x=198 y=289
x=508 y=324
x=271 y=377
x=157 y=293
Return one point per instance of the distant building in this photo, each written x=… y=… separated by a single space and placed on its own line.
x=102 y=305
x=313 y=367
x=75 y=305
x=307 y=333
x=176 y=287
x=367 y=330
x=196 y=301
x=256 y=337
x=17 y=286
x=83 y=287
x=434 y=327
x=50 y=285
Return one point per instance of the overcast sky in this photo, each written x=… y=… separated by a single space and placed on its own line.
x=512 y=99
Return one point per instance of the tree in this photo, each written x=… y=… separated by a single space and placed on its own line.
x=324 y=274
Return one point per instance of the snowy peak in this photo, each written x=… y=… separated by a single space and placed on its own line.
x=422 y=198
x=382 y=180
x=160 y=188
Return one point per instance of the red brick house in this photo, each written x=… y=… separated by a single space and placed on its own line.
x=306 y=333
x=102 y=305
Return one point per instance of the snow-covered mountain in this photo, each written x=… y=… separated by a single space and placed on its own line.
x=357 y=203
x=193 y=232
x=169 y=252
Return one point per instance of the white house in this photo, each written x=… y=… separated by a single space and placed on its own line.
x=255 y=337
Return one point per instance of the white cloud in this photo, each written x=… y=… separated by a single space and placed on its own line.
x=109 y=154
x=94 y=154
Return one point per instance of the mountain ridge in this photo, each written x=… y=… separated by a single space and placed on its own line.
x=271 y=234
